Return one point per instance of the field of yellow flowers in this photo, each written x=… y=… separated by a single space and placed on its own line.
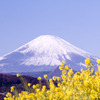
x=84 y=85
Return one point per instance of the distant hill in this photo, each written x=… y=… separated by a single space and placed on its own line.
x=6 y=81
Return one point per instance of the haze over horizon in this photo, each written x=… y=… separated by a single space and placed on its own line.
x=77 y=22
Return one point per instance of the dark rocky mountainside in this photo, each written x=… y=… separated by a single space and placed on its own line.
x=6 y=81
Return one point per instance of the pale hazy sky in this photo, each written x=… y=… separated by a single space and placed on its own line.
x=76 y=21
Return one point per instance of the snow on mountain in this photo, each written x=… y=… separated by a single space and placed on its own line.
x=48 y=49
x=44 y=53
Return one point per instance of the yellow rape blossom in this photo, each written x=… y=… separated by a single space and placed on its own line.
x=66 y=67
x=83 y=85
x=29 y=84
x=63 y=72
x=54 y=78
x=98 y=61
x=62 y=63
x=61 y=67
x=34 y=86
x=17 y=75
x=99 y=67
x=45 y=76
x=87 y=61
x=12 y=88
x=39 y=78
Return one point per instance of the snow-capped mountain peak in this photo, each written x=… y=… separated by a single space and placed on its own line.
x=44 y=53
x=51 y=44
x=49 y=50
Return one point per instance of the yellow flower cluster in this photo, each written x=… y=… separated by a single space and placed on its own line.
x=45 y=76
x=12 y=89
x=18 y=75
x=84 y=85
x=39 y=78
x=29 y=84
x=87 y=61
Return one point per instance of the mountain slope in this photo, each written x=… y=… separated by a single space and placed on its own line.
x=44 y=54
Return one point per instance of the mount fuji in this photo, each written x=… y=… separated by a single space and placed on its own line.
x=44 y=55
